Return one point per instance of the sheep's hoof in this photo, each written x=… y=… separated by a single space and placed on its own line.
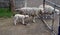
x=33 y=21
x=25 y=24
x=28 y=24
x=15 y=24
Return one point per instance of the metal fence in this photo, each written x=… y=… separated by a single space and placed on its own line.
x=54 y=31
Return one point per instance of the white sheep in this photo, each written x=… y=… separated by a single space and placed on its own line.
x=48 y=9
x=19 y=16
x=31 y=11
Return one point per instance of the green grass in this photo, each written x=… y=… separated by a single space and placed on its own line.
x=5 y=12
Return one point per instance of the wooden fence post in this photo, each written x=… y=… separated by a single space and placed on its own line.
x=12 y=6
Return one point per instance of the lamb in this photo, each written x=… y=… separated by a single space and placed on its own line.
x=48 y=9
x=19 y=16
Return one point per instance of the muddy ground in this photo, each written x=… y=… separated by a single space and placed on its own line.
x=7 y=28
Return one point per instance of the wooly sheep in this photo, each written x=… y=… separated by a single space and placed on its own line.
x=31 y=11
x=48 y=9
x=17 y=17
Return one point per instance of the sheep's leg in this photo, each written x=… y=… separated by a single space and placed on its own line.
x=15 y=20
x=23 y=20
x=33 y=19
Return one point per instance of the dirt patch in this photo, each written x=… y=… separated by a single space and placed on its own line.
x=37 y=28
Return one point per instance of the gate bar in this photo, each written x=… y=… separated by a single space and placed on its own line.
x=56 y=5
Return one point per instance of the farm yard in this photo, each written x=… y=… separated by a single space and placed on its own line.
x=42 y=26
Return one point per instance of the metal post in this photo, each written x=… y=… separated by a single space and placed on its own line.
x=44 y=5
x=25 y=3
x=52 y=30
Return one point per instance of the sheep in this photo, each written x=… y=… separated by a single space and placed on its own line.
x=48 y=9
x=31 y=11
x=19 y=16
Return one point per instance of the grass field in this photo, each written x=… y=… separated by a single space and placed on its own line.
x=5 y=12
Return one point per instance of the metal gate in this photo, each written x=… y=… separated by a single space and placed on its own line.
x=54 y=28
